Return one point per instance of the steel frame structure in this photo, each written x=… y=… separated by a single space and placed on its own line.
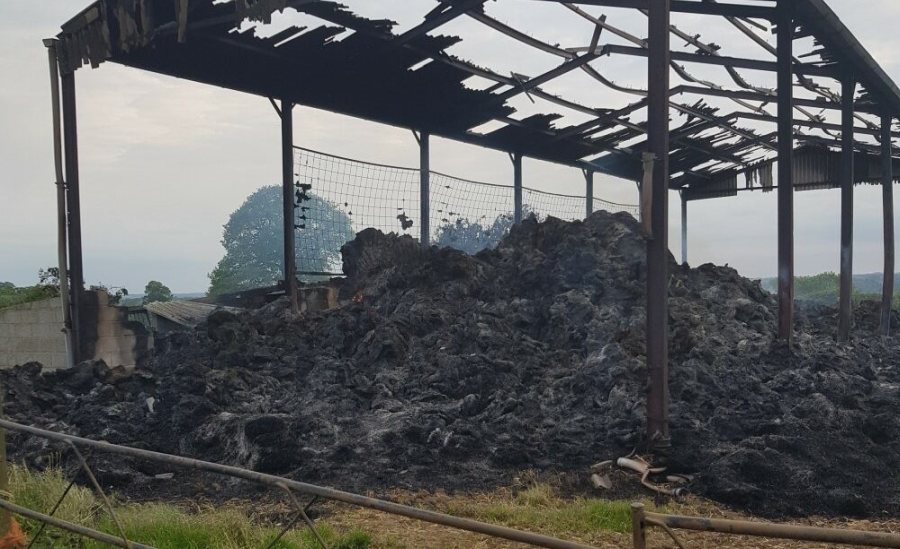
x=413 y=81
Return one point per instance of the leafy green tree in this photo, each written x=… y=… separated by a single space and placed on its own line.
x=156 y=291
x=253 y=241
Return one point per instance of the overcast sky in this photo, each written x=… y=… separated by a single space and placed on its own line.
x=164 y=162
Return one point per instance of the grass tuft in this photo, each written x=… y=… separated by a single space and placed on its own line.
x=539 y=509
x=160 y=525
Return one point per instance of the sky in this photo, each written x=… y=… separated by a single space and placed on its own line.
x=164 y=161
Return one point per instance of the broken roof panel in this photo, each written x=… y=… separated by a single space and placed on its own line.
x=361 y=67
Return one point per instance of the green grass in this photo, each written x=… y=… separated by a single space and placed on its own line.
x=539 y=509
x=159 y=525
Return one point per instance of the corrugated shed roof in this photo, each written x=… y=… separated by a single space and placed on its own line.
x=185 y=313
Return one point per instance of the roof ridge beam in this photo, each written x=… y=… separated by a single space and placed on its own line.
x=735 y=62
x=686 y=6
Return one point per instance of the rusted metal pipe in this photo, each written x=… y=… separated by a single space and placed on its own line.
x=433 y=517
x=61 y=221
x=75 y=528
x=770 y=530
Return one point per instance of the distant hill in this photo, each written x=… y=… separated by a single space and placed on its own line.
x=824 y=287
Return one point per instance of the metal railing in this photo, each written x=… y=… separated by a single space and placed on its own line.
x=290 y=487
x=641 y=520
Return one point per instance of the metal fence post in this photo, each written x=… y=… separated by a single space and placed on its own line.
x=425 y=189
x=658 y=243
x=887 y=190
x=848 y=179
x=73 y=204
x=639 y=537
x=589 y=193
x=517 y=187
x=684 y=230
x=62 y=229
x=785 y=172
x=288 y=199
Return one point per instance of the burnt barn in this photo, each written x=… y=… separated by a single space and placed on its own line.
x=668 y=137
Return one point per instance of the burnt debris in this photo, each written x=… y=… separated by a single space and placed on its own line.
x=450 y=371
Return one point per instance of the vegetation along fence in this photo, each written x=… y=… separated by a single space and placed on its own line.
x=338 y=197
x=291 y=489
x=641 y=520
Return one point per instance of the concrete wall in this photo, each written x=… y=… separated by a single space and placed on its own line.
x=33 y=332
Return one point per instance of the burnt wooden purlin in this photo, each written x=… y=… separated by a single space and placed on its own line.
x=410 y=80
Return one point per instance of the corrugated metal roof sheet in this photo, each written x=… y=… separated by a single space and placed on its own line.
x=185 y=313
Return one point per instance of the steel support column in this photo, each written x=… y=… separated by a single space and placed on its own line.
x=658 y=244
x=684 y=231
x=62 y=228
x=588 y=193
x=424 y=190
x=785 y=171
x=517 y=187
x=845 y=316
x=73 y=199
x=887 y=195
x=287 y=189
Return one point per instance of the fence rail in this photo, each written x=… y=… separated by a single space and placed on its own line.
x=290 y=487
x=641 y=519
x=338 y=197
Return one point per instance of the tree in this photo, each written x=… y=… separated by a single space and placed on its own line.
x=473 y=237
x=156 y=291
x=49 y=277
x=253 y=239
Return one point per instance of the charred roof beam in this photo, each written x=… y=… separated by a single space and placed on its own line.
x=437 y=18
x=601 y=23
x=526 y=84
x=687 y=6
x=734 y=62
x=810 y=124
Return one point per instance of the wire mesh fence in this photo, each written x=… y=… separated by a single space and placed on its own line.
x=338 y=197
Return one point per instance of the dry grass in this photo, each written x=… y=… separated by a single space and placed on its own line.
x=538 y=508
x=599 y=523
